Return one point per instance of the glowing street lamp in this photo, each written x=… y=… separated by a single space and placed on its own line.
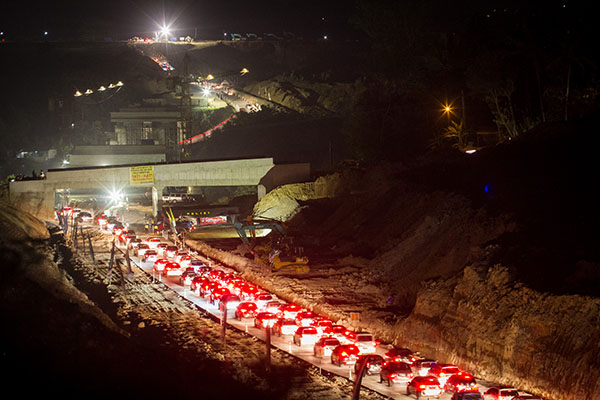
x=78 y=93
x=244 y=71
x=210 y=77
x=89 y=91
x=119 y=83
x=101 y=89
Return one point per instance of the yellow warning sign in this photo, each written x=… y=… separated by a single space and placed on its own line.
x=141 y=175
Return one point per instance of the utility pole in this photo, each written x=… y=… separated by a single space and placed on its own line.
x=268 y=343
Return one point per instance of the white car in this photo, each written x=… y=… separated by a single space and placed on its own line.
x=365 y=342
x=141 y=249
x=262 y=299
x=153 y=242
x=150 y=255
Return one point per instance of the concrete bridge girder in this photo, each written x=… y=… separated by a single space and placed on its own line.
x=37 y=197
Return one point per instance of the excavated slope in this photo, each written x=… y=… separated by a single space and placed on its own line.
x=490 y=262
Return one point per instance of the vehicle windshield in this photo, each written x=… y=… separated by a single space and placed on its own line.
x=331 y=342
x=509 y=393
x=451 y=370
x=471 y=396
x=310 y=331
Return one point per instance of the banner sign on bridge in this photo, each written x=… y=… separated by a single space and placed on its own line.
x=141 y=175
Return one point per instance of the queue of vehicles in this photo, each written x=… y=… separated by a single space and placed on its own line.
x=420 y=376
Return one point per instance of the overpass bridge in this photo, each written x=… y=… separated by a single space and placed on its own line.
x=39 y=196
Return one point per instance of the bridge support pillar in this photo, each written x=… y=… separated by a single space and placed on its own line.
x=157 y=192
x=261 y=190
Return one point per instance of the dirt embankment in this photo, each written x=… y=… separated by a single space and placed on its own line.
x=308 y=97
x=471 y=260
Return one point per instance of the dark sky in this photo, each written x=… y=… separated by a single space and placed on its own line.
x=138 y=17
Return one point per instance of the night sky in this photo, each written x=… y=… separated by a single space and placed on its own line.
x=122 y=19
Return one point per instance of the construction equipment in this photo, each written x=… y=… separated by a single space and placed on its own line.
x=275 y=253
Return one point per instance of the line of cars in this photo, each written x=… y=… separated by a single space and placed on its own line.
x=422 y=377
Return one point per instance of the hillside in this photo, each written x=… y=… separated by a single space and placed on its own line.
x=488 y=260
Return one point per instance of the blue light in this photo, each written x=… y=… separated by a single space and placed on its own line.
x=486 y=188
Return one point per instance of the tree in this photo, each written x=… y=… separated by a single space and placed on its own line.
x=456 y=133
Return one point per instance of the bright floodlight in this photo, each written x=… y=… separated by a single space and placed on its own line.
x=115 y=196
x=206 y=91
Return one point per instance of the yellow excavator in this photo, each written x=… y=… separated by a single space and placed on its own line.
x=274 y=254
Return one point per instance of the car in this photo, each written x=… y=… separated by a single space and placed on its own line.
x=117 y=228
x=162 y=249
x=262 y=299
x=274 y=307
x=207 y=288
x=443 y=372
x=101 y=220
x=141 y=249
x=196 y=282
x=401 y=354
x=305 y=335
x=305 y=318
x=217 y=293
x=185 y=261
x=373 y=363
x=134 y=243
x=249 y=292
x=159 y=265
x=363 y=340
x=186 y=276
x=197 y=264
x=337 y=331
x=284 y=327
x=171 y=251
x=322 y=325
x=229 y=300
x=180 y=255
x=246 y=309
x=150 y=255
x=110 y=223
x=85 y=216
x=467 y=396
x=500 y=393
x=215 y=274
x=290 y=311
x=264 y=320
x=126 y=239
x=344 y=354
x=395 y=372
x=153 y=241
x=421 y=367
x=172 y=269
x=428 y=386
x=324 y=346
x=461 y=382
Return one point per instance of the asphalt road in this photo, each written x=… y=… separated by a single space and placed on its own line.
x=284 y=343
